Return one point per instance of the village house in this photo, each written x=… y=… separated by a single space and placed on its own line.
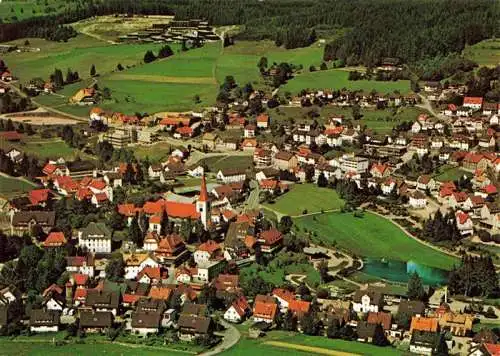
x=42 y=320
x=145 y=323
x=263 y=121
x=249 y=131
x=285 y=161
x=238 y=310
x=137 y=262
x=81 y=264
x=265 y=309
x=230 y=175
x=426 y=182
x=249 y=144
x=365 y=301
x=417 y=200
x=424 y=342
x=464 y=223
x=22 y=221
x=95 y=321
x=171 y=250
x=192 y=326
x=96 y=237
x=457 y=324
x=473 y=102
x=103 y=301
x=420 y=323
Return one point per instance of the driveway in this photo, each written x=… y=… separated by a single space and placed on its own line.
x=231 y=336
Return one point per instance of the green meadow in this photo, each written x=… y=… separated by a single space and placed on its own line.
x=484 y=53
x=372 y=236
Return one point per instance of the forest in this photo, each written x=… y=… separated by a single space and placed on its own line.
x=372 y=29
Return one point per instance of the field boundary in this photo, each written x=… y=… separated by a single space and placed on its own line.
x=313 y=349
x=163 y=79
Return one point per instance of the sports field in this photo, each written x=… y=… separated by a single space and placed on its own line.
x=484 y=53
x=277 y=343
x=373 y=236
x=11 y=186
x=306 y=197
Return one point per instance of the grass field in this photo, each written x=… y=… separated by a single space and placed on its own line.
x=44 y=148
x=306 y=197
x=16 y=10
x=10 y=186
x=276 y=276
x=277 y=343
x=373 y=236
x=79 y=54
x=217 y=163
x=338 y=79
x=451 y=173
x=43 y=348
x=484 y=53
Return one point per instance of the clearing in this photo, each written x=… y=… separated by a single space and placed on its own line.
x=306 y=197
x=373 y=236
x=484 y=53
x=17 y=10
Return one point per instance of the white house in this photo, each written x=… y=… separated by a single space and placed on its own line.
x=464 y=223
x=366 y=301
x=96 y=237
x=44 y=320
x=135 y=263
x=231 y=175
x=238 y=310
x=417 y=200
x=206 y=251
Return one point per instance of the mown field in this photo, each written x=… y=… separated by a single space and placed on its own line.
x=217 y=163
x=277 y=343
x=79 y=54
x=43 y=148
x=451 y=173
x=11 y=186
x=372 y=236
x=484 y=53
x=306 y=197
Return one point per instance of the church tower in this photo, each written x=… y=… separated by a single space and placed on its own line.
x=203 y=205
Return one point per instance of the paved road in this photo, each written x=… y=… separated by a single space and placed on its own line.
x=231 y=336
x=426 y=104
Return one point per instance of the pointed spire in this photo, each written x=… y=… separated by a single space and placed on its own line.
x=203 y=191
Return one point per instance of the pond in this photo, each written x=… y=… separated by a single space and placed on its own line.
x=399 y=271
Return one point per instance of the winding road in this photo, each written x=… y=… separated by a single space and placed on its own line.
x=231 y=336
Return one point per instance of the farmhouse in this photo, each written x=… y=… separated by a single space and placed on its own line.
x=230 y=175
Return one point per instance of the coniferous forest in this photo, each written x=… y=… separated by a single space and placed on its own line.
x=369 y=29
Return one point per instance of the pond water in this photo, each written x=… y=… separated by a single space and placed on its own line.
x=399 y=271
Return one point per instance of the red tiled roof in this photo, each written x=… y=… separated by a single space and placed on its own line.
x=52 y=288
x=55 y=239
x=181 y=210
x=265 y=310
x=151 y=272
x=493 y=349
x=462 y=217
x=424 y=324
x=80 y=294
x=249 y=241
x=334 y=131
x=209 y=246
x=380 y=167
x=249 y=142
x=49 y=168
x=473 y=157
x=268 y=183
x=155 y=219
x=163 y=293
x=101 y=197
x=131 y=298
x=154 y=207
x=173 y=121
x=80 y=279
x=299 y=306
x=473 y=100
x=127 y=210
x=263 y=118
x=170 y=243
x=490 y=189
x=284 y=294
x=38 y=196
x=83 y=193
x=270 y=237
x=380 y=318
x=98 y=184
x=241 y=305
x=460 y=196
x=184 y=130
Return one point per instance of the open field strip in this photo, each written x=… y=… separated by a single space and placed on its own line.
x=164 y=79
x=311 y=349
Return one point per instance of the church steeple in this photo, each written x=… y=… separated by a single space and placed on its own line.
x=203 y=204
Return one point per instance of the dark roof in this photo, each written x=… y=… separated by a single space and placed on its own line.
x=4 y=315
x=375 y=297
x=92 y=319
x=198 y=324
x=42 y=317
x=146 y=320
x=194 y=309
x=151 y=305
x=365 y=330
x=46 y=218
x=78 y=166
x=96 y=231
x=233 y=171
x=283 y=155
x=413 y=307
x=102 y=299
x=424 y=338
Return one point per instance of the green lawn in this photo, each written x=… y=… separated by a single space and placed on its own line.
x=276 y=275
x=217 y=163
x=11 y=186
x=306 y=197
x=484 y=53
x=373 y=236
x=452 y=173
x=78 y=54
x=250 y=347
x=42 y=348
x=45 y=149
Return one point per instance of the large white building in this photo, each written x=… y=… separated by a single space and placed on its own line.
x=96 y=237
